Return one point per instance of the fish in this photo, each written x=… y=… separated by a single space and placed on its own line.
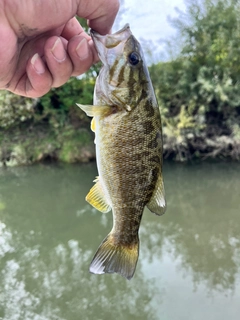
x=128 y=137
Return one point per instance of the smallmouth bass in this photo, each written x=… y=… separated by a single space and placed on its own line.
x=128 y=137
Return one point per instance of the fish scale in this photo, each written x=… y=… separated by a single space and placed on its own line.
x=128 y=137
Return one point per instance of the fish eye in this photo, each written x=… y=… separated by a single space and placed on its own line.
x=134 y=58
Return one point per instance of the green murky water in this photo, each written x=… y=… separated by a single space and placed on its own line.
x=189 y=264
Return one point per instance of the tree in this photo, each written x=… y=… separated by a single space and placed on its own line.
x=202 y=83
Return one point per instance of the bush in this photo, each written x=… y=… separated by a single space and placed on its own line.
x=14 y=109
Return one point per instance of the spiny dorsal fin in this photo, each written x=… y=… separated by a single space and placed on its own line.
x=97 y=198
x=92 y=111
x=112 y=258
x=157 y=203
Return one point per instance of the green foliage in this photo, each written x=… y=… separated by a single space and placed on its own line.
x=211 y=64
x=83 y=23
x=199 y=92
x=76 y=146
x=14 y=109
x=51 y=128
x=22 y=147
x=58 y=107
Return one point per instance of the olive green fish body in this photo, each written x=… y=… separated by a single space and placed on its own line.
x=128 y=138
x=129 y=162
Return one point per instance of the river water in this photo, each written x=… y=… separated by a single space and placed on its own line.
x=189 y=264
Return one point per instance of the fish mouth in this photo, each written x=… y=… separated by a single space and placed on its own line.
x=109 y=41
x=114 y=37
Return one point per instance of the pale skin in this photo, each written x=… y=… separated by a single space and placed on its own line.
x=43 y=45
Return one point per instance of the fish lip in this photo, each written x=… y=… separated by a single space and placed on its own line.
x=110 y=40
x=94 y=33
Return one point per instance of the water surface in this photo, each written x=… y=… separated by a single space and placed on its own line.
x=189 y=264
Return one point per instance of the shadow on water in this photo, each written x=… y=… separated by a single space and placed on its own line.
x=48 y=235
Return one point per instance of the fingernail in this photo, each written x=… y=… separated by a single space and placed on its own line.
x=82 y=49
x=38 y=64
x=58 y=51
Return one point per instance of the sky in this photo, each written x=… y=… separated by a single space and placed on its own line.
x=149 y=21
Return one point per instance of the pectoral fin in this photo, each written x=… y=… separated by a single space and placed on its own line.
x=92 y=111
x=93 y=124
x=97 y=198
x=157 y=203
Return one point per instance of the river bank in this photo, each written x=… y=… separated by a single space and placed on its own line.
x=41 y=144
x=192 y=148
x=26 y=145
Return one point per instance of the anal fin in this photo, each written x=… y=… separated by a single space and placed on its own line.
x=97 y=199
x=157 y=203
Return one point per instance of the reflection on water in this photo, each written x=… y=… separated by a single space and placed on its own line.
x=189 y=264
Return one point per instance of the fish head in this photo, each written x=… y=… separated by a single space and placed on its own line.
x=124 y=73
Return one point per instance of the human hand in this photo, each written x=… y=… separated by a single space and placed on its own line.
x=43 y=45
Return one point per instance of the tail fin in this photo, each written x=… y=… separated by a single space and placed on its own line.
x=119 y=258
